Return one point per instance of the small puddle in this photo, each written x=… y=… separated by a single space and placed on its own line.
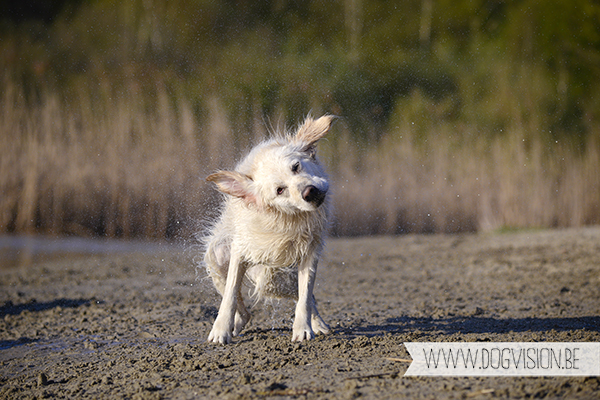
x=21 y=251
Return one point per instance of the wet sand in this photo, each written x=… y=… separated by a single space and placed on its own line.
x=134 y=325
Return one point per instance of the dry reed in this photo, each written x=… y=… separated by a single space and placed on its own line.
x=121 y=171
x=125 y=169
x=457 y=179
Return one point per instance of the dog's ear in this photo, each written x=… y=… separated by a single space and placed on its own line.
x=234 y=184
x=312 y=130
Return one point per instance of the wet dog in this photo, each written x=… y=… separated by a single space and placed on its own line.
x=271 y=230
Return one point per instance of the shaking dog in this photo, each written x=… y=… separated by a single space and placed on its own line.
x=271 y=230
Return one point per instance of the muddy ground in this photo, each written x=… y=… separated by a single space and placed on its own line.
x=134 y=325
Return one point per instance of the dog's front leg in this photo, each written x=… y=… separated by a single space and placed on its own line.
x=223 y=327
x=307 y=271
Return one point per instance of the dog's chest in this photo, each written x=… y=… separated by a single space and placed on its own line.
x=280 y=243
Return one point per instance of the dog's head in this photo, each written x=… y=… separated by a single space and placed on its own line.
x=283 y=173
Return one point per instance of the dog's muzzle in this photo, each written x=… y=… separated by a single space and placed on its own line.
x=312 y=194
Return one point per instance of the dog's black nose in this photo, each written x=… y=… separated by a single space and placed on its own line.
x=313 y=195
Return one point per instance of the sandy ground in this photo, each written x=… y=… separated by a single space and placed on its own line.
x=135 y=325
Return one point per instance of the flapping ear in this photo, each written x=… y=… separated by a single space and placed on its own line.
x=312 y=130
x=234 y=184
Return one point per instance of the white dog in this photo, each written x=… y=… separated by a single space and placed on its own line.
x=271 y=230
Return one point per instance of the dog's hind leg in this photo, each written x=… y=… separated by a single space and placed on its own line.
x=318 y=325
x=216 y=260
x=242 y=316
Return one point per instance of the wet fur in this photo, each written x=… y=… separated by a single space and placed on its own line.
x=271 y=230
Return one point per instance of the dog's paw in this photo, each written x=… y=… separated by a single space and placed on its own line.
x=300 y=334
x=219 y=335
x=319 y=326
x=240 y=322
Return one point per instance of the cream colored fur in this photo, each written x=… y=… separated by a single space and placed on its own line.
x=271 y=230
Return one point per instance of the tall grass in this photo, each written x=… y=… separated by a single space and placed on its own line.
x=125 y=168
x=402 y=186
x=499 y=168
x=96 y=168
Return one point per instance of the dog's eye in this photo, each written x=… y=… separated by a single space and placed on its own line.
x=280 y=190
x=296 y=167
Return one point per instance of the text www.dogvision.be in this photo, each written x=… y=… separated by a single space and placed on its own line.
x=506 y=359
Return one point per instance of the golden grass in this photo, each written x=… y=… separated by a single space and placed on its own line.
x=120 y=171
x=123 y=169
x=462 y=180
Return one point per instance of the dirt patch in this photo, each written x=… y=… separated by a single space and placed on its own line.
x=135 y=325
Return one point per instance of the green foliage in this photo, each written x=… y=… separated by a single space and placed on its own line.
x=283 y=58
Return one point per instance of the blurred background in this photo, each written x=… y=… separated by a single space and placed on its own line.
x=457 y=115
